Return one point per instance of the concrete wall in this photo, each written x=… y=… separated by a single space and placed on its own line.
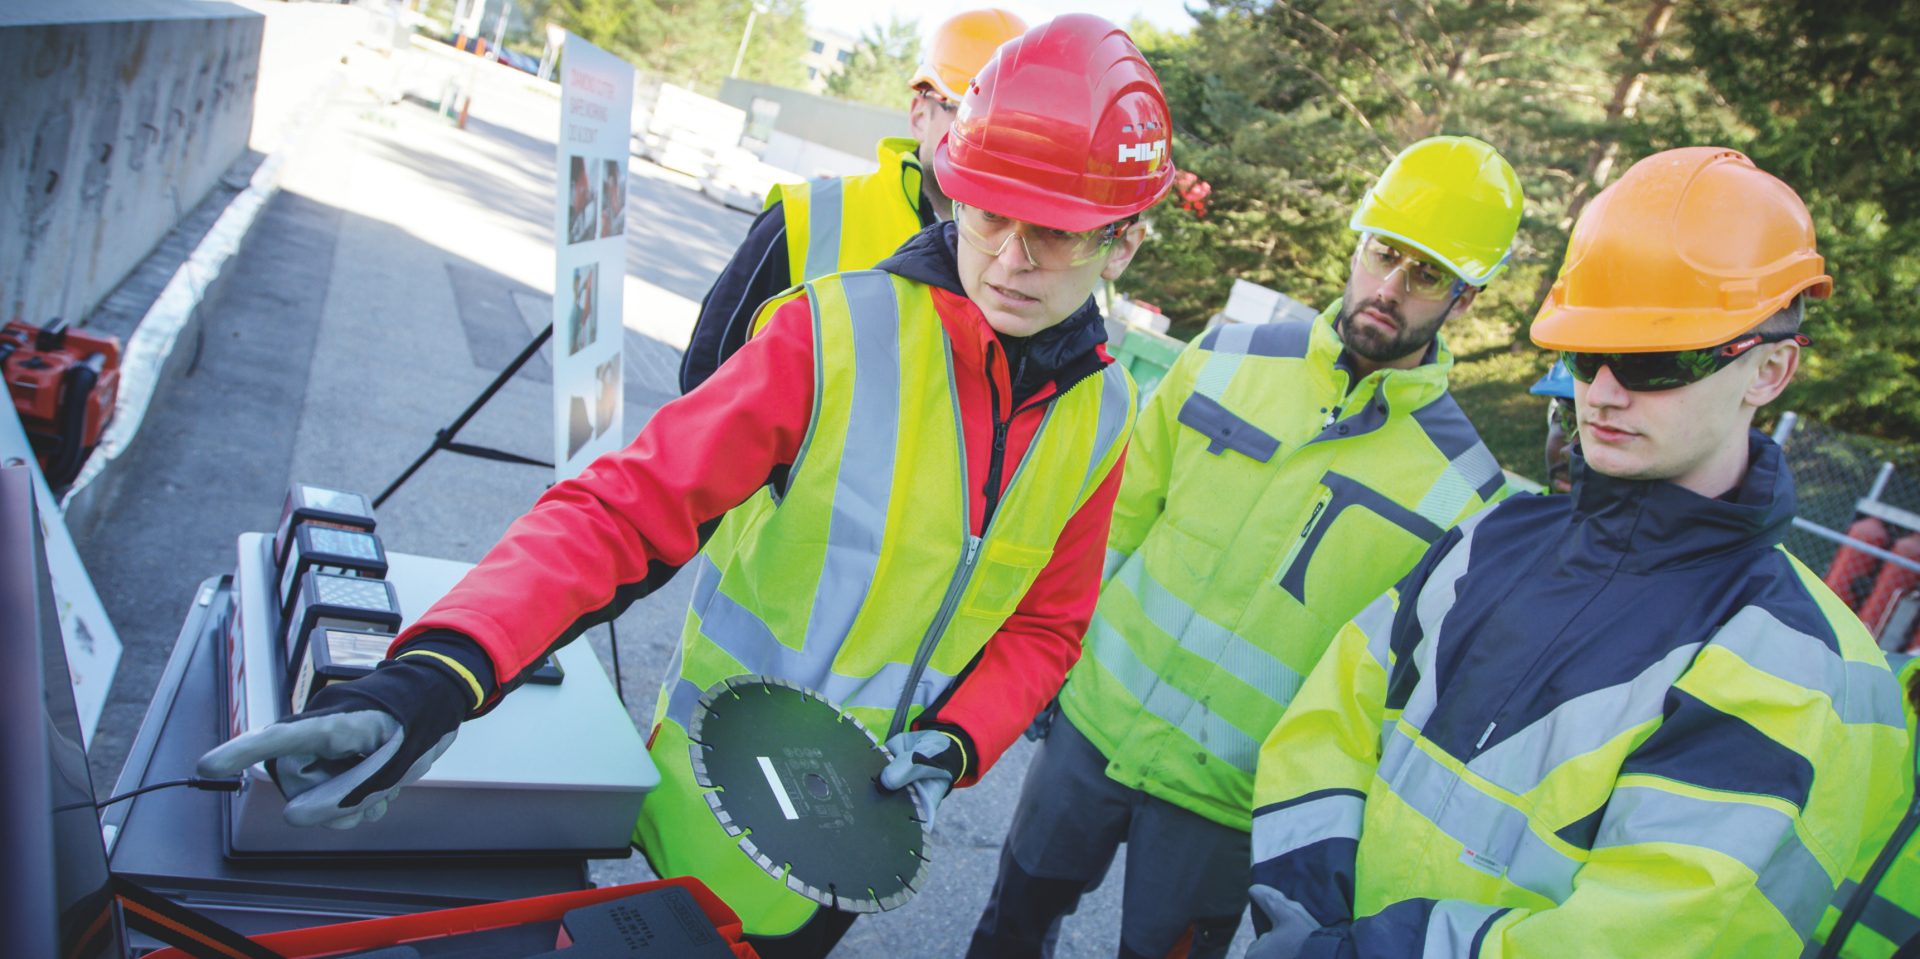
x=116 y=117
x=851 y=128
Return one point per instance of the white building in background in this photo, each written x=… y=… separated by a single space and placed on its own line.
x=827 y=53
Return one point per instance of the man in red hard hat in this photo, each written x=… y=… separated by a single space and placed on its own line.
x=832 y=225
x=929 y=563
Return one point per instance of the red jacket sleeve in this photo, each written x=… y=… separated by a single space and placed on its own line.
x=1023 y=666
x=634 y=515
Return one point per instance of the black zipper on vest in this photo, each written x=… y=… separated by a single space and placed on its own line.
x=996 y=461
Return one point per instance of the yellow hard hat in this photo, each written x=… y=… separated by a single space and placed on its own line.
x=1455 y=199
x=961 y=47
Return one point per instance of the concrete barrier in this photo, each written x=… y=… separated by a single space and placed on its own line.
x=116 y=117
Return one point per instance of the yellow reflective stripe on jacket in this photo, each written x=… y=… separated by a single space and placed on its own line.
x=839 y=224
x=1266 y=499
x=1550 y=838
x=1880 y=918
x=863 y=580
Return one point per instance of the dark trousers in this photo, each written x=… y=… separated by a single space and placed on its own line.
x=1186 y=877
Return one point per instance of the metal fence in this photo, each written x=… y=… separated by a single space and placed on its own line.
x=1858 y=522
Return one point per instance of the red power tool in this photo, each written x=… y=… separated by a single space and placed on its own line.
x=63 y=384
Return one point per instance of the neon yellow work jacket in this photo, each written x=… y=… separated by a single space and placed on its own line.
x=863 y=581
x=1877 y=909
x=1623 y=722
x=1267 y=497
x=852 y=222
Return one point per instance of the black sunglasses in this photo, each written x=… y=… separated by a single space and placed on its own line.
x=1670 y=370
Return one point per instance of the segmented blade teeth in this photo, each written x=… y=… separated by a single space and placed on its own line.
x=720 y=813
x=700 y=774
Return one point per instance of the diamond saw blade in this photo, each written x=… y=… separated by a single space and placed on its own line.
x=797 y=779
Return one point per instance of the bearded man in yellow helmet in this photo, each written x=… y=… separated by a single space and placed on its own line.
x=1281 y=476
x=811 y=229
x=1624 y=721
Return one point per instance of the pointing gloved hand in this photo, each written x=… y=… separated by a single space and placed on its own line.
x=340 y=762
x=929 y=760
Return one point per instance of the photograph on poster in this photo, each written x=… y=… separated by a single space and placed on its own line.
x=579 y=425
x=608 y=375
x=583 y=209
x=613 y=197
x=583 y=325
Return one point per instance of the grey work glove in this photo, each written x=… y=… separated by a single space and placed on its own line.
x=929 y=760
x=340 y=762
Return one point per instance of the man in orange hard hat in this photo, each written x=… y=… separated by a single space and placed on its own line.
x=1624 y=721
x=811 y=229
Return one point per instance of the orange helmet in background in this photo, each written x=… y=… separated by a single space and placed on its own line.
x=1066 y=127
x=960 y=49
x=1688 y=249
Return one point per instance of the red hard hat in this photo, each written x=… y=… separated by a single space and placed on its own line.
x=1065 y=127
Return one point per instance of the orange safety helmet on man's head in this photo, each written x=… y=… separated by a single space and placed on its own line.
x=960 y=49
x=1066 y=127
x=1688 y=249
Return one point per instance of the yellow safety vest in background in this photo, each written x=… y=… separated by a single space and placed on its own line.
x=850 y=223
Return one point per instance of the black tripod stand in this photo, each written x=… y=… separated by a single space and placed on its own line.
x=443 y=439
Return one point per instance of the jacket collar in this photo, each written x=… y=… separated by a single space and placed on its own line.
x=1652 y=524
x=1402 y=389
x=900 y=157
x=1061 y=355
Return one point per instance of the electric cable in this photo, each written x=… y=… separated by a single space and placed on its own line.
x=213 y=785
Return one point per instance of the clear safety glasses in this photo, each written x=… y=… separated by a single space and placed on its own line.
x=1423 y=280
x=946 y=106
x=1046 y=248
x=1671 y=369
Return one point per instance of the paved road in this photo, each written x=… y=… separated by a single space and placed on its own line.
x=403 y=264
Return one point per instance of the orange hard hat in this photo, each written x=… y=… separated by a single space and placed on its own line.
x=961 y=47
x=1065 y=127
x=1688 y=249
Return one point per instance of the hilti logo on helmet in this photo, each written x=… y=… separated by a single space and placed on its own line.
x=1151 y=152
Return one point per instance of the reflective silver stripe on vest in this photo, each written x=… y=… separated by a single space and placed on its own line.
x=1209 y=640
x=1760 y=838
x=1861 y=693
x=1216 y=373
x=1496 y=833
x=1580 y=725
x=1286 y=338
x=1376 y=623
x=1452 y=927
x=1278 y=832
x=863 y=485
x=1464 y=476
x=1436 y=598
x=823 y=229
x=1113 y=418
x=1178 y=709
x=743 y=636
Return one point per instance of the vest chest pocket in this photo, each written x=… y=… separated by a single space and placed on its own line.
x=1001 y=579
x=1226 y=431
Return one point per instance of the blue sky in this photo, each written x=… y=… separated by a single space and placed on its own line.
x=852 y=16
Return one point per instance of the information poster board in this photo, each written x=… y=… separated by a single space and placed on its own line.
x=93 y=647
x=590 y=251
